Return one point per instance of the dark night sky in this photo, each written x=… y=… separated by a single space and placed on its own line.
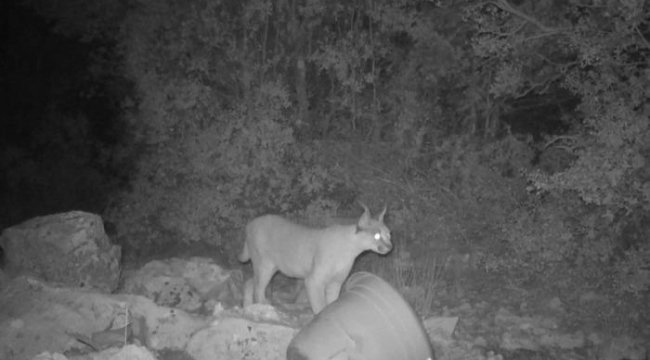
x=57 y=121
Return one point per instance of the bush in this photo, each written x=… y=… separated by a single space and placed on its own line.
x=243 y=163
x=217 y=141
x=538 y=239
x=633 y=271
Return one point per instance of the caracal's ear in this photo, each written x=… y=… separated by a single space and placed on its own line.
x=380 y=218
x=364 y=219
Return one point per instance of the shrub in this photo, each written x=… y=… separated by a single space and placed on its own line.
x=243 y=163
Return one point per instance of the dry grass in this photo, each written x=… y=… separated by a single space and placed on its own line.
x=418 y=282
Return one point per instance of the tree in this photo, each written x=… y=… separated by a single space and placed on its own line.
x=598 y=51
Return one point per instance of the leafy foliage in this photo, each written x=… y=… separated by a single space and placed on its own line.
x=211 y=163
x=593 y=52
x=229 y=96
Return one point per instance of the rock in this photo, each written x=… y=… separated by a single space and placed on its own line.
x=128 y=352
x=164 y=328
x=622 y=347
x=233 y=338
x=265 y=312
x=185 y=283
x=49 y=356
x=439 y=331
x=36 y=317
x=441 y=328
x=167 y=291
x=457 y=350
x=69 y=248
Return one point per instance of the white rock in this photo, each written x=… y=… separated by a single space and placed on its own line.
x=233 y=338
x=69 y=248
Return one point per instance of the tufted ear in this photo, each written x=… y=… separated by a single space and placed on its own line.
x=380 y=218
x=364 y=220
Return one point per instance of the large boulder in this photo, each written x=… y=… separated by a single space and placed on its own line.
x=68 y=248
x=189 y=284
x=36 y=317
x=259 y=333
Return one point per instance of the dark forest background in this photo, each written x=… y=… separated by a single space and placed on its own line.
x=514 y=130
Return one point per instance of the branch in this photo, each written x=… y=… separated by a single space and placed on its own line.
x=505 y=6
x=643 y=39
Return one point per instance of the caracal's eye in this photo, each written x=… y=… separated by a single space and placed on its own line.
x=377 y=236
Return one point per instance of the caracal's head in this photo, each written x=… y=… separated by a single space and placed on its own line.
x=373 y=233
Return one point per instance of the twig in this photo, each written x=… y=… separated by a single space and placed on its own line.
x=643 y=39
x=570 y=138
x=128 y=321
